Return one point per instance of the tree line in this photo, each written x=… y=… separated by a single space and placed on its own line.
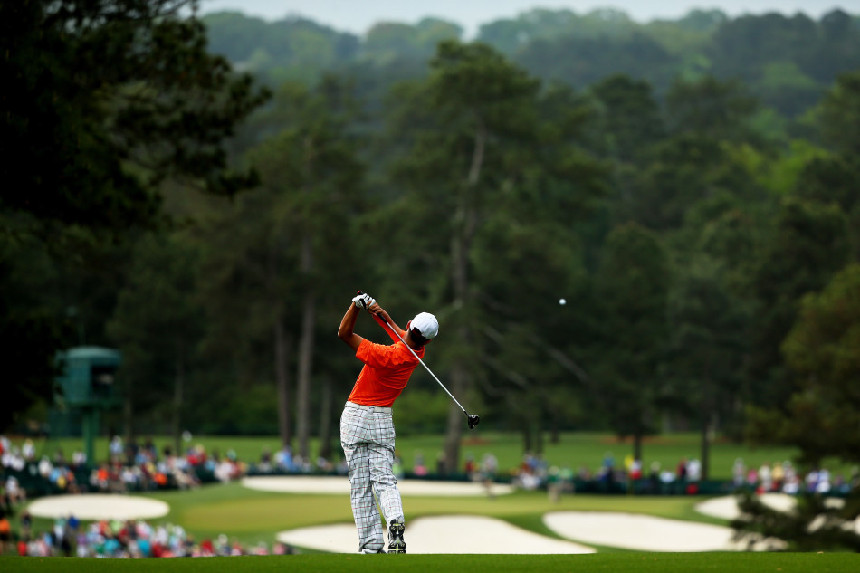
x=214 y=228
x=786 y=61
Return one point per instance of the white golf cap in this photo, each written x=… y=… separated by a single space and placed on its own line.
x=427 y=324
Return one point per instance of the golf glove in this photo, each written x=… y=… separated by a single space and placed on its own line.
x=363 y=300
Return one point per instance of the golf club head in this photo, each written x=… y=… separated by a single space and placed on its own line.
x=474 y=419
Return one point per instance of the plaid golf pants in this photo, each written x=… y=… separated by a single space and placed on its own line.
x=367 y=437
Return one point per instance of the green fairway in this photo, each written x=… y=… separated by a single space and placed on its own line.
x=231 y=507
x=615 y=563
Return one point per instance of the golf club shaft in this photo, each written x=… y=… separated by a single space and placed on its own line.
x=397 y=334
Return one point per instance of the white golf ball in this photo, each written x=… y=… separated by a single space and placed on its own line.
x=561 y=301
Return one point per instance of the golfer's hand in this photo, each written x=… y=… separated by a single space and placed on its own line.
x=364 y=301
x=377 y=311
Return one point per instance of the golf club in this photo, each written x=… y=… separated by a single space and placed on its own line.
x=472 y=419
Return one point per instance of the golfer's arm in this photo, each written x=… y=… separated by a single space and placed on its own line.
x=387 y=323
x=347 y=326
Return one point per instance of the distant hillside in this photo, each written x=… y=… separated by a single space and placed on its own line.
x=786 y=61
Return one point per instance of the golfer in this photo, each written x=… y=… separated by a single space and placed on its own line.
x=366 y=427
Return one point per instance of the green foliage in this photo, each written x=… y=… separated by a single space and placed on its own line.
x=291 y=48
x=840 y=115
x=787 y=61
x=633 y=280
x=581 y=62
x=806 y=246
x=821 y=351
x=108 y=84
x=680 y=172
x=106 y=101
x=157 y=323
x=421 y=410
x=709 y=107
x=630 y=117
x=816 y=525
x=481 y=181
x=509 y=35
x=32 y=322
x=387 y=42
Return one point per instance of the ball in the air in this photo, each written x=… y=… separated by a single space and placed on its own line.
x=562 y=302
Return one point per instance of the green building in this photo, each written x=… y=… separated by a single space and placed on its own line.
x=84 y=389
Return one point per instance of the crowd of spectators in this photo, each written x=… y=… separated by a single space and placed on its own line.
x=783 y=477
x=125 y=539
x=535 y=473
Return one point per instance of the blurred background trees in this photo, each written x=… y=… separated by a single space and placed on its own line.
x=207 y=193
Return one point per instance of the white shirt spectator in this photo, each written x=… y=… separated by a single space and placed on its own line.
x=823 y=481
x=116 y=447
x=764 y=477
x=28 y=450
x=694 y=470
x=45 y=466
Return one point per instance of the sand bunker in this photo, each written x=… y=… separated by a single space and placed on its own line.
x=642 y=532
x=310 y=484
x=727 y=507
x=95 y=506
x=441 y=534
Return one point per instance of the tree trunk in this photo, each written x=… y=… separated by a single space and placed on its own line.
x=706 y=449
x=178 y=397
x=707 y=408
x=537 y=431
x=128 y=418
x=306 y=350
x=306 y=342
x=325 y=419
x=637 y=446
x=283 y=347
x=456 y=421
x=527 y=437
x=465 y=220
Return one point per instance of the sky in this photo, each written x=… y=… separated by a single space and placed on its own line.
x=357 y=16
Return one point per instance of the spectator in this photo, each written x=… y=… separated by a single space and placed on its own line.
x=420 y=469
x=28 y=450
x=469 y=466
x=14 y=492
x=738 y=470
x=777 y=475
x=566 y=475
x=681 y=470
x=115 y=449
x=608 y=468
x=764 y=478
x=554 y=484
x=635 y=469
x=5 y=533
x=824 y=483
x=694 y=470
x=489 y=467
x=285 y=459
x=25 y=522
x=654 y=478
x=266 y=460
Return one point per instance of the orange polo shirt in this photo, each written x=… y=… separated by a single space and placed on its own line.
x=386 y=371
